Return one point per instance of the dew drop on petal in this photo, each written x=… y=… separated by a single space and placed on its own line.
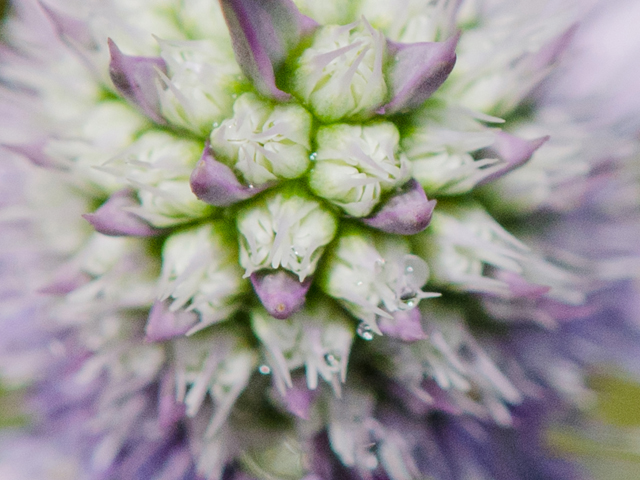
x=364 y=331
x=379 y=265
x=415 y=272
x=295 y=251
x=264 y=369
x=313 y=156
x=408 y=300
x=332 y=361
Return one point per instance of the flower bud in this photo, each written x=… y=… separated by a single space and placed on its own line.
x=159 y=164
x=374 y=276
x=284 y=230
x=219 y=364
x=318 y=337
x=200 y=273
x=340 y=75
x=264 y=142
x=91 y=140
x=463 y=242
x=113 y=271
x=352 y=427
x=440 y=148
x=356 y=164
x=199 y=85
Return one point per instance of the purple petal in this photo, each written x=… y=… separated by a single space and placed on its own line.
x=263 y=32
x=280 y=291
x=299 y=398
x=550 y=53
x=112 y=218
x=405 y=325
x=519 y=287
x=418 y=70
x=66 y=280
x=34 y=152
x=135 y=79
x=406 y=212
x=170 y=411
x=513 y=151
x=70 y=29
x=440 y=398
x=163 y=324
x=215 y=183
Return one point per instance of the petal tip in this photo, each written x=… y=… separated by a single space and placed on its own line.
x=280 y=292
x=407 y=212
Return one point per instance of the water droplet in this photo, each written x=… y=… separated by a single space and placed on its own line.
x=407 y=296
x=216 y=124
x=416 y=272
x=407 y=299
x=296 y=252
x=378 y=266
x=313 y=156
x=332 y=361
x=364 y=331
x=359 y=282
x=264 y=369
x=251 y=186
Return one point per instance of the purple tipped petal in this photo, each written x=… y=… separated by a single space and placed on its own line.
x=163 y=324
x=34 y=152
x=440 y=398
x=299 y=398
x=418 y=70
x=112 y=218
x=66 y=280
x=514 y=151
x=280 y=291
x=216 y=184
x=406 y=212
x=135 y=79
x=170 y=411
x=70 y=29
x=263 y=33
x=405 y=325
x=550 y=53
x=519 y=287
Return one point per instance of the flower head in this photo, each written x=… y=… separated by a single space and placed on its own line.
x=232 y=209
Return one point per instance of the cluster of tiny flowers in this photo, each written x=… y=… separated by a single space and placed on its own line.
x=295 y=239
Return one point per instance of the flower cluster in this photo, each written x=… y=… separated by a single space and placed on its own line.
x=296 y=239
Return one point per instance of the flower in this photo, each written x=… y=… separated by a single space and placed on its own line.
x=267 y=239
